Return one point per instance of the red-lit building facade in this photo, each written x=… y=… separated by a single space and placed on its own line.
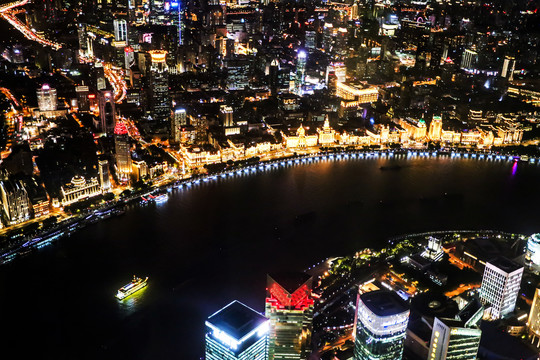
x=289 y=306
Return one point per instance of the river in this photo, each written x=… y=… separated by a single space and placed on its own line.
x=215 y=242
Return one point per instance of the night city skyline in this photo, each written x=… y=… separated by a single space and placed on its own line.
x=270 y=179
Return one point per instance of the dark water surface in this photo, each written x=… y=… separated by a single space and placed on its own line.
x=215 y=242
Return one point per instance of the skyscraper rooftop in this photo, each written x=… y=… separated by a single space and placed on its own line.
x=237 y=320
x=505 y=264
x=290 y=281
x=384 y=303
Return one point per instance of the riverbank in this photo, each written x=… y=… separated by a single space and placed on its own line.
x=72 y=224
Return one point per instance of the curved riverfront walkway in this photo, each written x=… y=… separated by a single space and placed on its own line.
x=353 y=155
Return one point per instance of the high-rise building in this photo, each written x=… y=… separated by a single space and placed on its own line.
x=159 y=86
x=533 y=323
x=451 y=339
x=532 y=256
x=226 y=114
x=509 y=64
x=46 y=97
x=107 y=111
x=469 y=59
x=434 y=249
x=236 y=332
x=500 y=286
x=82 y=97
x=177 y=121
x=15 y=201
x=104 y=178
x=435 y=128
x=97 y=79
x=289 y=306
x=122 y=151
x=129 y=57
x=120 y=31
x=354 y=11
x=301 y=60
x=311 y=40
x=273 y=76
x=381 y=324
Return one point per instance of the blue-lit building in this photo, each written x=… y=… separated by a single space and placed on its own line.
x=237 y=332
x=381 y=325
x=532 y=256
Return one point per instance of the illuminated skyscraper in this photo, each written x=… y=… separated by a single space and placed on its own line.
x=452 y=339
x=15 y=201
x=274 y=76
x=120 y=30
x=159 y=86
x=289 y=306
x=226 y=114
x=82 y=97
x=533 y=323
x=104 y=180
x=236 y=332
x=178 y=120
x=300 y=71
x=500 y=286
x=509 y=65
x=122 y=153
x=354 y=11
x=532 y=256
x=107 y=111
x=435 y=128
x=46 y=97
x=382 y=318
x=469 y=59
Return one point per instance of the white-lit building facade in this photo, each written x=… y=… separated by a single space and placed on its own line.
x=381 y=325
x=451 y=339
x=47 y=99
x=236 y=332
x=532 y=255
x=79 y=189
x=500 y=286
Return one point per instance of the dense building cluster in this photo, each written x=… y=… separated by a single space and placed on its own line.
x=106 y=101
x=163 y=89
x=395 y=316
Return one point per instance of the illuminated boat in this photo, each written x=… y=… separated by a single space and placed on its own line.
x=135 y=285
x=161 y=198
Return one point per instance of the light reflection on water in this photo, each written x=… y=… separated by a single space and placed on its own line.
x=130 y=304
